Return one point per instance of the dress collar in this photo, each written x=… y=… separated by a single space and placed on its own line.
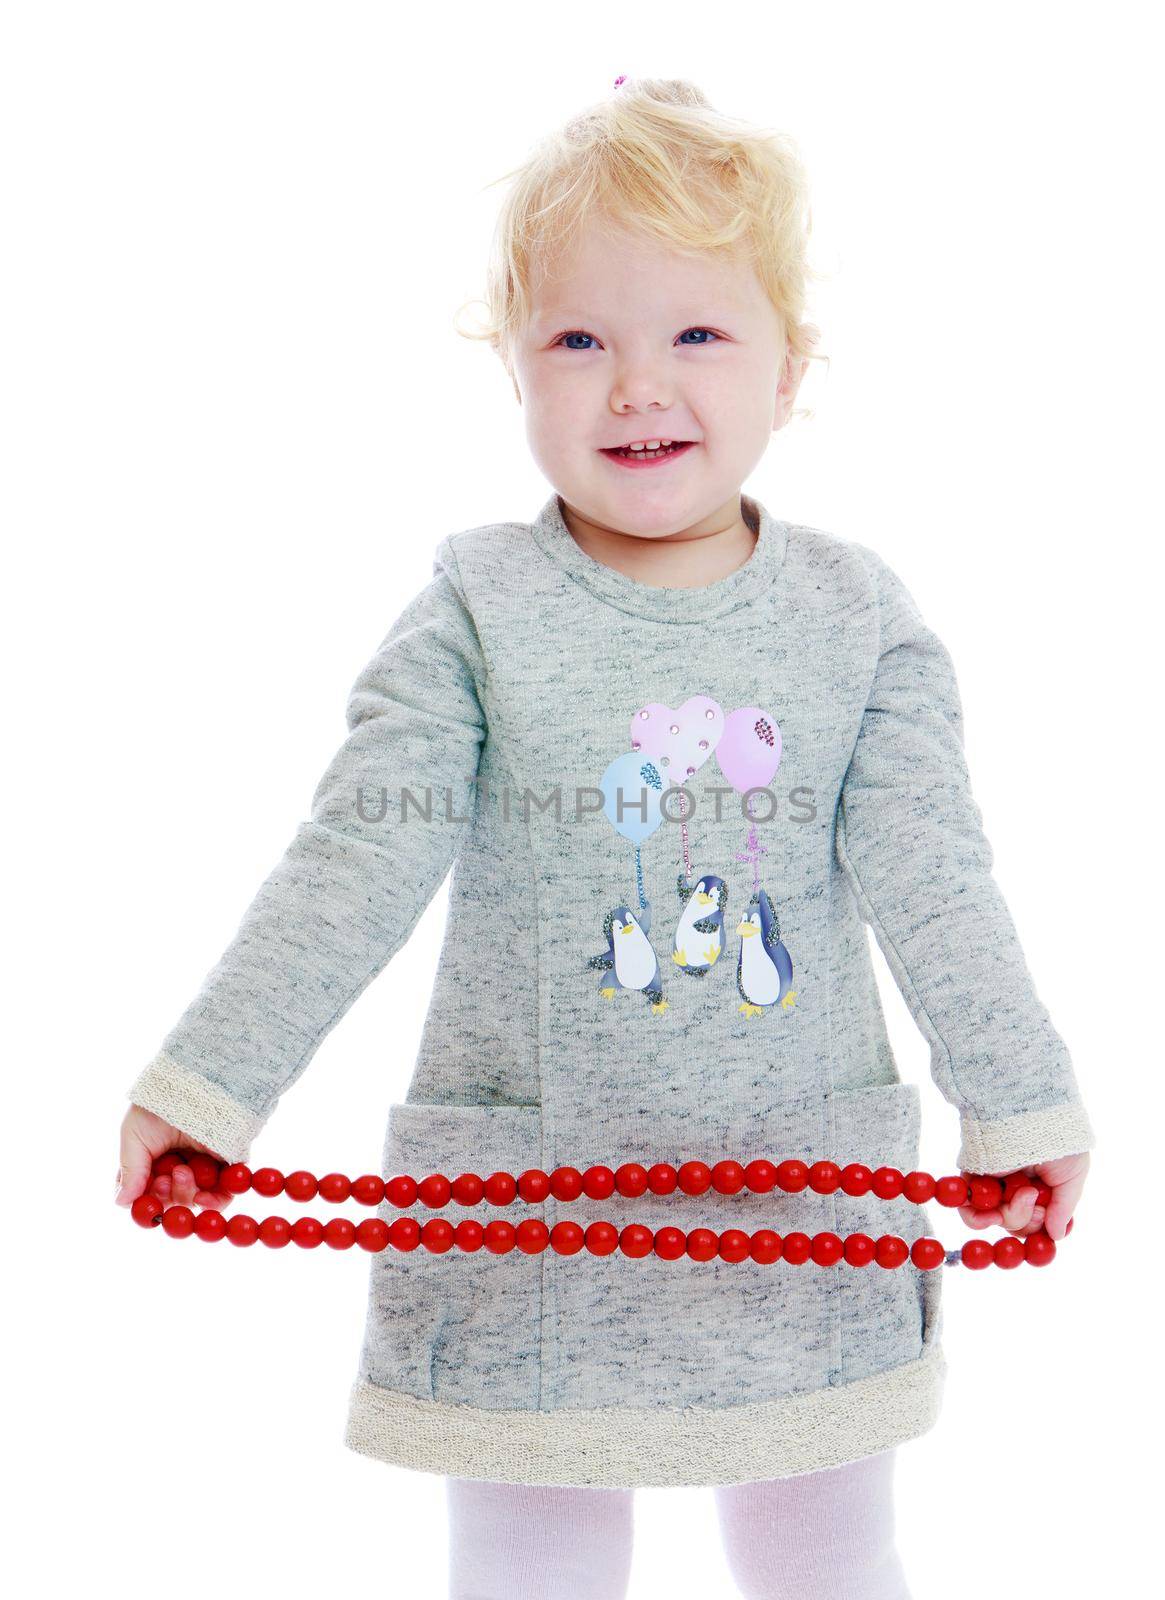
x=662 y=603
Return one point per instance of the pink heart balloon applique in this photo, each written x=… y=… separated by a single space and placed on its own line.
x=749 y=752
x=679 y=742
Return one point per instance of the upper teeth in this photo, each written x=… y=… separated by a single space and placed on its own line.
x=649 y=444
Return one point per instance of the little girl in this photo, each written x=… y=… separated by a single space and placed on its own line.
x=678 y=752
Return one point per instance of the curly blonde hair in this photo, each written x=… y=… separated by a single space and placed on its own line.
x=655 y=156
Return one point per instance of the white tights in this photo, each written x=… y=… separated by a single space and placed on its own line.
x=816 y=1536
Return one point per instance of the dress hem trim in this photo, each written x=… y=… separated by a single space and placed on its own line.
x=631 y=1447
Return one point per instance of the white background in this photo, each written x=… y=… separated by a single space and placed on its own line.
x=237 y=421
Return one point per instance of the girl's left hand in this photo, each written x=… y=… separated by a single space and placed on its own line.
x=1020 y=1215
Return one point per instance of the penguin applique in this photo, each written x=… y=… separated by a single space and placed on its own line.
x=764 y=969
x=699 y=940
x=629 y=961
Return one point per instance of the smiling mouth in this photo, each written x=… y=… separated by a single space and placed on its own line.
x=626 y=455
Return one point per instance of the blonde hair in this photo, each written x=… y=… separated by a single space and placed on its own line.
x=655 y=156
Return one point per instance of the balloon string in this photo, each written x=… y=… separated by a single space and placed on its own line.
x=755 y=849
x=639 y=878
x=684 y=836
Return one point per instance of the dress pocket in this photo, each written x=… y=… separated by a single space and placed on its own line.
x=462 y=1326
x=887 y=1316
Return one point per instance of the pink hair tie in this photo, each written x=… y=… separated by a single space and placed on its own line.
x=620 y=79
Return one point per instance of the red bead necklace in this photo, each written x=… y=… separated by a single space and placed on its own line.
x=438 y=1234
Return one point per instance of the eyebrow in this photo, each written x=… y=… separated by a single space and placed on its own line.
x=566 y=314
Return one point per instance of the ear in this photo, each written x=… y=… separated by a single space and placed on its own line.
x=791 y=375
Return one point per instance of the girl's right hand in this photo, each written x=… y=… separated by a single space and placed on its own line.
x=145 y=1137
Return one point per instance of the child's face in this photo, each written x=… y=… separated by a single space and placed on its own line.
x=629 y=341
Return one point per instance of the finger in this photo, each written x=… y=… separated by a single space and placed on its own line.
x=1017 y=1213
x=183 y=1186
x=980 y=1219
x=133 y=1169
x=1062 y=1205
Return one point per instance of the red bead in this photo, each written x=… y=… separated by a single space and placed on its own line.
x=434 y=1191
x=985 y=1193
x=340 y=1233
x=602 y=1238
x=631 y=1180
x=147 y=1210
x=467 y=1189
x=765 y=1246
x=728 y=1177
x=950 y=1191
x=531 y=1235
x=734 y=1245
x=797 y=1248
x=500 y=1188
x=205 y=1169
x=178 y=1221
x=1011 y=1184
x=856 y=1179
x=927 y=1253
x=977 y=1254
x=275 y=1232
x=859 y=1249
x=566 y=1183
x=824 y=1177
x=792 y=1176
x=703 y=1244
x=918 y=1187
x=566 y=1238
x=404 y=1233
x=887 y=1183
x=210 y=1225
x=268 y=1181
x=890 y=1251
x=335 y=1188
x=401 y=1191
x=300 y=1186
x=670 y=1243
x=469 y=1234
x=636 y=1241
x=598 y=1183
x=534 y=1186
x=1043 y=1195
x=165 y=1164
x=1039 y=1248
x=662 y=1178
x=761 y=1176
x=694 y=1177
x=1008 y=1251
x=235 y=1179
x=369 y=1189
x=372 y=1234
x=499 y=1237
x=437 y=1235
x=242 y=1229
x=307 y=1232
x=826 y=1249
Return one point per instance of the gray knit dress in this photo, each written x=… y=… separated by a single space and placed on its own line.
x=670 y=814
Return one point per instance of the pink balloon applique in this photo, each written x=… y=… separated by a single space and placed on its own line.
x=749 y=751
x=679 y=742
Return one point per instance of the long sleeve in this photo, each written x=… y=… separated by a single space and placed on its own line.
x=385 y=824
x=909 y=836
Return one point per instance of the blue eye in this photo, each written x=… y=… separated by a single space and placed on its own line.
x=578 y=333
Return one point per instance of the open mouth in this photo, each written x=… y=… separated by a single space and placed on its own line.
x=637 y=458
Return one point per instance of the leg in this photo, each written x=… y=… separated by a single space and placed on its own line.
x=521 y=1541
x=816 y=1536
